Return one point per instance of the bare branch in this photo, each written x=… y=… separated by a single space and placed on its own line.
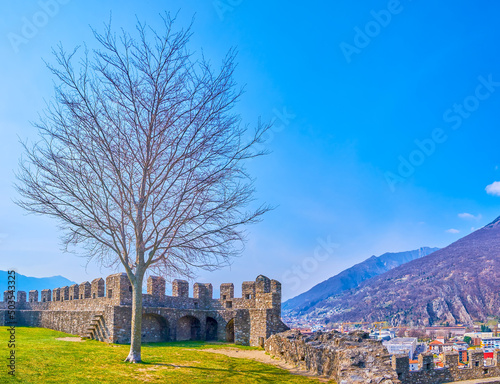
x=141 y=157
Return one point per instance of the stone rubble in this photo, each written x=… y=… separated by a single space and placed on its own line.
x=347 y=359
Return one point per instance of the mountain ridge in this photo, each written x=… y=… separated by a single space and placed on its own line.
x=457 y=284
x=27 y=283
x=351 y=278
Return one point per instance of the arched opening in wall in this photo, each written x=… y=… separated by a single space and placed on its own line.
x=230 y=331
x=211 y=331
x=155 y=329
x=188 y=328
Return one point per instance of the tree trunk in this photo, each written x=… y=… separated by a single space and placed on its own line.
x=134 y=355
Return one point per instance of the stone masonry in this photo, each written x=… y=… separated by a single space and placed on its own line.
x=347 y=359
x=102 y=310
x=355 y=359
x=450 y=372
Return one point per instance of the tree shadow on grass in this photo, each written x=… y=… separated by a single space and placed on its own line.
x=178 y=344
x=266 y=373
x=199 y=345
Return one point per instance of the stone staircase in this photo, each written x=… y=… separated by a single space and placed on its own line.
x=93 y=326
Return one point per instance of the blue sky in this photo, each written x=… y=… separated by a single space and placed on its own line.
x=386 y=124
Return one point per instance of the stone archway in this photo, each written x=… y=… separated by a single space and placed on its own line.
x=230 y=331
x=155 y=329
x=211 y=329
x=188 y=328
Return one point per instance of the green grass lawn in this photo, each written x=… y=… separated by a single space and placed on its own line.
x=43 y=359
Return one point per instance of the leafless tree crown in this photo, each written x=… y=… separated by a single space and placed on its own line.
x=141 y=155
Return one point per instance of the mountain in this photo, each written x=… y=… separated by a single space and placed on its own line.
x=457 y=284
x=350 y=278
x=26 y=283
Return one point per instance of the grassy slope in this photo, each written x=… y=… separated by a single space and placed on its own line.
x=43 y=359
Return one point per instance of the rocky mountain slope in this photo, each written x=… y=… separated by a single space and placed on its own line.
x=349 y=279
x=457 y=284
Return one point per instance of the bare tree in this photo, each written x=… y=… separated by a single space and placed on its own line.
x=141 y=158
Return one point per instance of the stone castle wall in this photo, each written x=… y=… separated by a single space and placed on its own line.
x=73 y=322
x=102 y=309
x=355 y=359
x=452 y=371
x=347 y=359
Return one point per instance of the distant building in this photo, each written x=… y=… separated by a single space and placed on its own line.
x=446 y=331
x=476 y=341
x=413 y=365
x=462 y=356
x=448 y=347
x=488 y=354
x=460 y=346
x=436 y=347
x=479 y=335
x=490 y=342
x=401 y=345
x=384 y=334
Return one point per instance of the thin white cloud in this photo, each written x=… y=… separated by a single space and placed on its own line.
x=493 y=188
x=452 y=230
x=469 y=216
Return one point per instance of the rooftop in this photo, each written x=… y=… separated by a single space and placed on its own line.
x=435 y=342
x=402 y=340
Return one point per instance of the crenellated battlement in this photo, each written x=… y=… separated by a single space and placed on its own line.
x=117 y=290
x=250 y=318
x=453 y=370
